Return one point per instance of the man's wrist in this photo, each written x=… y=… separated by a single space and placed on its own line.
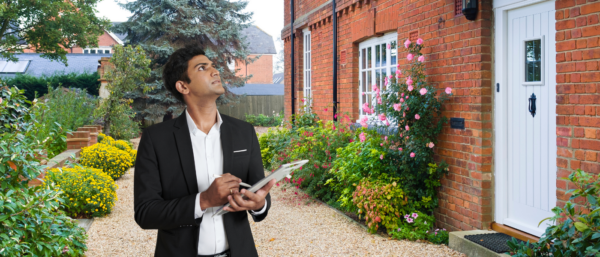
x=204 y=202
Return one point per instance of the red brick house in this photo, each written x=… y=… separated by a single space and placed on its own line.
x=105 y=43
x=261 y=45
x=506 y=165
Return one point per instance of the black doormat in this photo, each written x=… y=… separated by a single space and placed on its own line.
x=493 y=241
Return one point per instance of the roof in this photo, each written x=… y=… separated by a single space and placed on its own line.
x=78 y=63
x=278 y=78
x=258 y=89
x=259 y=42
x=120 y=36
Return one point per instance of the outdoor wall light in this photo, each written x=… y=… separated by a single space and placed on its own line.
x=469 y=9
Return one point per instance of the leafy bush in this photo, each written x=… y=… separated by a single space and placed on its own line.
x=65 y=110
x=272 y=142
x=438 y=236
x=304 y=118
x=415 y=226
x=577 y=232
x=264 y=120
x=87 y=191
x=14 y=107
x=32 y=84
x=123 y=126
x=380 y=201
x=31 y=222
x=113 y=161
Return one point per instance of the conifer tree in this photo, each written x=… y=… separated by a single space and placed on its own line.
x=162 y=26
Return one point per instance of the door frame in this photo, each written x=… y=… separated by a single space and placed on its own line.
x=500 y=33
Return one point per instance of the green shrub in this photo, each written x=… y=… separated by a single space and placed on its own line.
x=123 y=126
x=88 y=192
x=265 y=121
x=413 y=226
x=577 y=232
x=380 y=201
x=113 y=161
x=65 y=110
x=272 y=142
x=32 y=84
x=31 y=222
x=438 y=236
x=12 y=108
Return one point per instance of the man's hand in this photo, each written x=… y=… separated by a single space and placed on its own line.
x=219 y=190
x=250 y=201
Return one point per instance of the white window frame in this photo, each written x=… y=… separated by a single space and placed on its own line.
x=370 y=73
x=97 y=49
x=307 y=68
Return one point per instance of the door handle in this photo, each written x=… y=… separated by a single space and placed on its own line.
x=532 y=104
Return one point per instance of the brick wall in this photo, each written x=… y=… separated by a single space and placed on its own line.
x=104 y=40
x=458 y=55
x=577 y=90
x=261 y=70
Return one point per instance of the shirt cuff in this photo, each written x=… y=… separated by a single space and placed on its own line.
x=198 y=213
x=261 y=211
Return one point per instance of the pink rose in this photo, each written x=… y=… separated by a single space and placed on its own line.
x=407 y=43
x=407 y=128
x=417 y=116
x=423 y=91
x=403 y=114
x=419 y=41
x=402 y=95
x=362 y=137
x=421 y=58
x=381 y=156
x=448 y=90
x=378 y=99
x=402 y=100
x=382 y=117
x=389 y=46
x=363 y=121
x=412 y=155
x=398 y=72
x=1 y=100
x=410 y=57
x=387 y=123
x=431 y=145
x=397 y=107
x=375 y=88
x=363 y=93
x=409 y=81
x=410 y=88
x=366 y=108
x=399 y=148
x=325 y=109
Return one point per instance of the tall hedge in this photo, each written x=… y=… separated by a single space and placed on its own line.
x=31 y=84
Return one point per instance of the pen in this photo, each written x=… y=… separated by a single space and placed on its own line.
x=241 y=183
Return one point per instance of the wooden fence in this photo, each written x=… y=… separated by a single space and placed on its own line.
x=254 y=105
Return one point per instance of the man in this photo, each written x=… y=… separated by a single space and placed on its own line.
x=186 y=168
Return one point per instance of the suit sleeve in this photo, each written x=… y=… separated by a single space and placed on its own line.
x=257 y=172
x=151 y=210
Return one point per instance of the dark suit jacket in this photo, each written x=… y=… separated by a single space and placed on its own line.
x=165 y=185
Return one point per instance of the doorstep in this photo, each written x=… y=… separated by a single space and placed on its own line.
x=459 y=243
x=85 y=223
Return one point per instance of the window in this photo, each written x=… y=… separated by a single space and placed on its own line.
x=307 y=73
x=19 y=66
x=378 y=58
x=533 y=61
x=99 y=50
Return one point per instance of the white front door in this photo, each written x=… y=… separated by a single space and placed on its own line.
x=531 y=117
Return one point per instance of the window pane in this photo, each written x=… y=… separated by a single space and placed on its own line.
x=378 y=78
x=533 y=60
x=308 y=63
x=107 y=51
x=383 y=54
x=369 y=81
x=369 y=58
x=364 y=81
x=86 y=51
x=377 y=56
x=363 y=58
x=393 y=53
x=93 y=51
x=383 y=74
x=364 y=100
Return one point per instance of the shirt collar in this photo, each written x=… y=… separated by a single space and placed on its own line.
x=192 y=125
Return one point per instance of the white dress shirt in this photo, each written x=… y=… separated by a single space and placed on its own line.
x=208 y=160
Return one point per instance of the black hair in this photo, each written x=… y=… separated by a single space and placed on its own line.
x=176 y=68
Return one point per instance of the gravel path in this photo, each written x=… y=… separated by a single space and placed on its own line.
x=295 y=226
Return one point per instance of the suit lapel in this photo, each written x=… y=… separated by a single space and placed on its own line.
x=186 y=153
x=226 y=145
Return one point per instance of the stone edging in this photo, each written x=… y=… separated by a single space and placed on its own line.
x=85 y=223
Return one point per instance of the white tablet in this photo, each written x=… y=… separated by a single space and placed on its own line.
x=278 y=175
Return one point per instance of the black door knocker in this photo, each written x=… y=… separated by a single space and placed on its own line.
x=532 y=105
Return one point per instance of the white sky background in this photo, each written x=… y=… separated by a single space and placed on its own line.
x=268 y=15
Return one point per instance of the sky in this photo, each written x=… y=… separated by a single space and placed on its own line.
x=268 y=14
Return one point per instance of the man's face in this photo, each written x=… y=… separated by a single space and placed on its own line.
x=205 y=80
